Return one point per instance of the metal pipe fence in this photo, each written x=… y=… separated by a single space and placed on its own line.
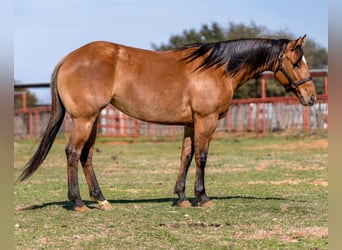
x=257 y=115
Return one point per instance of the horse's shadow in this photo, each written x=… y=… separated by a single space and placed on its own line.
x=67 y=205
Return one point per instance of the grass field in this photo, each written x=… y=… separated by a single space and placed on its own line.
x=270 y=193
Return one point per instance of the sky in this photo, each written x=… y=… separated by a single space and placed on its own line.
x=46 y=31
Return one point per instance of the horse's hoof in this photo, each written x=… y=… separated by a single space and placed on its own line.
x=105 y=205
x=84 y=208
x=185 y=203
x=207 y=204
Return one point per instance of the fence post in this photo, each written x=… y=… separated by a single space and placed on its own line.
x=30 y=125
x=326 y=94
x=229 y=120
x=123 y=124
x=250 y=117
x=263 y=95
x=36 y=124
x=172 y=133
x=24 y=101
x=136 y=123
x=257 y=119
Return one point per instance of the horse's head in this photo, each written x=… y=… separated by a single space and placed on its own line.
x=293 y=73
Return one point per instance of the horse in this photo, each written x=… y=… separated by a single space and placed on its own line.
x=191 y=86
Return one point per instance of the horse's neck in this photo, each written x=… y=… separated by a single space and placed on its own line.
x=256 y=69
x=242 y=77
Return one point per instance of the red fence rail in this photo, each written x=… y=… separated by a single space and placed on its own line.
x=258 y=115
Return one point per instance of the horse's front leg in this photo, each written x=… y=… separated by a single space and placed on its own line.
x=186 y=157
x=204 y=129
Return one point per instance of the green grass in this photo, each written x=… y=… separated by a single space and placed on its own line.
x=270 y=193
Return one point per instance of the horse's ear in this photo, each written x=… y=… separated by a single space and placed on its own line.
x=297 y=43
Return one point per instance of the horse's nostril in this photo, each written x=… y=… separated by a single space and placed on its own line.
x=313 y=99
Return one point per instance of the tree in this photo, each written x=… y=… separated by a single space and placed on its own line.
x=317 y=56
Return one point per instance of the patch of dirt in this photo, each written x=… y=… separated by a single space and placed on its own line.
x=232 y=168
x=289 y=235
x=323 y=183
x=21 y=207
x=77 y=240
x=299 y=145
x=123 y=142
x=131 y=190
x=192 y=224
x=320 y=183
x=252 y=232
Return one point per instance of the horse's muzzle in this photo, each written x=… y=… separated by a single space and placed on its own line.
x=311 y=102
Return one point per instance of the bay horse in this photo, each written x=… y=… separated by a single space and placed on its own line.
x=191 y=86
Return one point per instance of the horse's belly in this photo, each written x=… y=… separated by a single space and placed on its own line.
x=162 y=112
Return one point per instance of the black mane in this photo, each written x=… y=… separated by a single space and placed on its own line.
x=248 y=54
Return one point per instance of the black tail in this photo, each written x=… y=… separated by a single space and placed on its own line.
x=55 y=121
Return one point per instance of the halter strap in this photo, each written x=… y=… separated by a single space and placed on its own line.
x=292 y=84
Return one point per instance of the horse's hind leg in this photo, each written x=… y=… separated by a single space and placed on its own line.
x=80 y=134
x=87 y=165
x=186 y=157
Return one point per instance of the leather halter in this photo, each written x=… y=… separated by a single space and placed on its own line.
x=292 y=85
